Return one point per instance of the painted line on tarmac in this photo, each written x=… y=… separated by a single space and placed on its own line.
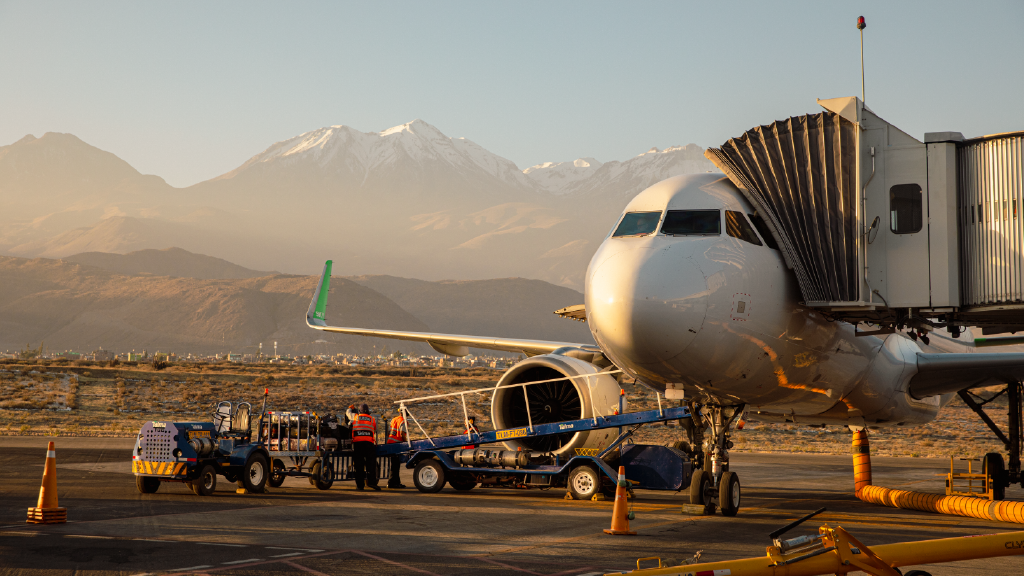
x=218 y=544
x=287 y=555
x=503 y=565
x=287 y=548
x=406 y=566
x=247 y=560
x=304 y=568
x=191 y=568
x=24 y=533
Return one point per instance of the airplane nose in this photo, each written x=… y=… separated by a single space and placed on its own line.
x=645 y=306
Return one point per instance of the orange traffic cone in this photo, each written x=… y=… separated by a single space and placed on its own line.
x=620 y=522
x=46 y=510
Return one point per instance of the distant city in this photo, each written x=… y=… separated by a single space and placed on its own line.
x=396 y=359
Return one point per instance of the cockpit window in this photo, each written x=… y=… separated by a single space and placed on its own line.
x=637 y=224
x=762 y=228
x=738 y=227
x=692 y=223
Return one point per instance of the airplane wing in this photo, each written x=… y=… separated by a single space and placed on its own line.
x=942 y=373
x=450 y=344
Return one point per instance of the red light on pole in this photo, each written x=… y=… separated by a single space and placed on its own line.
x=860 y=23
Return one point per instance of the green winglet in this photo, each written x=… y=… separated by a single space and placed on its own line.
x=317 y=315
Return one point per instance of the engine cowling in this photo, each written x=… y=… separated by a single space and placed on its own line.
x=555 y=402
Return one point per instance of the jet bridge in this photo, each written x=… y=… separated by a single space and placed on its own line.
x=881 y=227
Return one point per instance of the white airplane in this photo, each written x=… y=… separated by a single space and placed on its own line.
x=689 y=295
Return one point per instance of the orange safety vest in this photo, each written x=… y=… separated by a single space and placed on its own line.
x=397 y=432
x=364 y=428
x=471 y=446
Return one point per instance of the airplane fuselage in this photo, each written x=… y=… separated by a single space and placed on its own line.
x=717 y=313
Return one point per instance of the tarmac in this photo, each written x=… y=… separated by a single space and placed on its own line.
x=297 y=529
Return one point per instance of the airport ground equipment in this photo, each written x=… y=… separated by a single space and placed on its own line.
x=47 y=510
x=836 y=551
x=285 y=444
x=983 y=506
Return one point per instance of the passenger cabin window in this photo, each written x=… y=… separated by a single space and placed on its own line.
x=905 y=209
x=762 y=228
x=637 y=224
x=738 y=227
x=692 y=223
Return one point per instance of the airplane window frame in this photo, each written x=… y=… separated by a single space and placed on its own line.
x=622 y=220
x=745 y=230
x=718 y=221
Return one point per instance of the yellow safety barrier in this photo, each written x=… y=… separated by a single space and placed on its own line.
x=836 y=551
x=999 y=510
x=158 y=468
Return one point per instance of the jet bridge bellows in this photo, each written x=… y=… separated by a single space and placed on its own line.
x=881 y=227
x=799 y=173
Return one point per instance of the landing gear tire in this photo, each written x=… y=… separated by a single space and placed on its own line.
x=147 y=484
x=206 y=483
x=700 y=488
x=584 y=482
x=254 y=474
x=323 y=475
x=993 y=468
x=462 y=482
x=429 y=476
x=918 y=573
x=729 y=494
x=277 y=476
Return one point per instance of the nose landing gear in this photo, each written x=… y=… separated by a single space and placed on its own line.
x=712 y=483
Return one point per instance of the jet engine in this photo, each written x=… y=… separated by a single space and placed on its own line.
x=564 y=399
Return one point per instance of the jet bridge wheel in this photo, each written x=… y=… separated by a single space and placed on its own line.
x=429 y=476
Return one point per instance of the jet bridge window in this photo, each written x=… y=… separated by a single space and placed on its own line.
x=692 y=223
x=637 y=224
x=738 y=227
x=905 y=209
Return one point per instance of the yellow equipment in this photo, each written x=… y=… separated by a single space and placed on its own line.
x=836 y=551
x=978 y=485
x=955 y=503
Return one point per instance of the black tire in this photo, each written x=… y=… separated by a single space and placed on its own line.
x=206 y=483
x=994 y=462
x=255 y=473
x=683 y=446
x=729 y=494
x=918 y=573
x=462 y=482
x=323 y=476
x=700 y=488
x=429 y=476
x=583 y=482
x=277 y=476
x=147 y=484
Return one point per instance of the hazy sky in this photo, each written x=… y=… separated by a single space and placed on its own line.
x=189 y=91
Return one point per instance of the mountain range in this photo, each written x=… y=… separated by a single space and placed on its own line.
x=408 y=201
x=177 y=301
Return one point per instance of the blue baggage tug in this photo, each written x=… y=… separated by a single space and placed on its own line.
x=299 y=444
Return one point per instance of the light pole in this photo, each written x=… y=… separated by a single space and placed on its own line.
x=861 y=25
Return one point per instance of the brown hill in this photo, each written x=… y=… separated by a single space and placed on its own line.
x=71 y=306
x=507 y=307
x=173 y=262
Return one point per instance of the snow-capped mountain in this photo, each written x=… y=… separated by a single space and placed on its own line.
x=555 y=177
x=407 y=201
x=416 y=145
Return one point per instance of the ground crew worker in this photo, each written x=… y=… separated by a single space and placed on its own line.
x=397 y=433
x=364 y=444
x=471 y=429
x=350 y=414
